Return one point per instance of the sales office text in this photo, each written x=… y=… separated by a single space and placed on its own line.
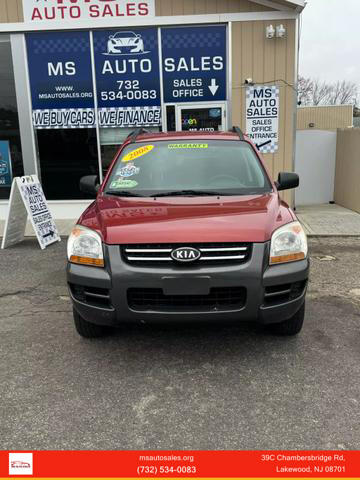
x=135 y=65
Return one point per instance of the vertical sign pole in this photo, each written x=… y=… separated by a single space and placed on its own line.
x=33 y=137
x=163 y=107
x=24 y=104
x=229 y=79
x=96 y=105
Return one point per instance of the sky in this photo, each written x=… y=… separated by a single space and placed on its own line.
x=330 y=40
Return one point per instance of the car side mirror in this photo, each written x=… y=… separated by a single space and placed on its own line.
x=111 y=37
x=90 y=185
x=287 y=181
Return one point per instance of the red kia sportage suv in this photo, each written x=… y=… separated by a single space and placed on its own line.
x=189 y=227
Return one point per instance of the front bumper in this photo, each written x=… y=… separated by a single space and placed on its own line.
x=266 y=298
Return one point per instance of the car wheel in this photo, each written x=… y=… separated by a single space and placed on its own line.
x=290 y=327
x=87 y=329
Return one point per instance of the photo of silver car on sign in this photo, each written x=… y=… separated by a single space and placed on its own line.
x=125 y=42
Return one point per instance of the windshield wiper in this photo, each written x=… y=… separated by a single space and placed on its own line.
x=190 y=193
x=123 y=193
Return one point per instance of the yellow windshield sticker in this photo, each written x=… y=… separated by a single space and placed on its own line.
x=173 y=146
x=139 y=152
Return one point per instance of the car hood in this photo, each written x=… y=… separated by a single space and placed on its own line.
x=186 y=219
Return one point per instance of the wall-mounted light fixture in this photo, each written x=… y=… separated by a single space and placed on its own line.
x=270 y=31
x=278 y=32
x=249 y=81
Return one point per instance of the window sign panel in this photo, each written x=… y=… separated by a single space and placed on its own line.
x=61 y=79
x=127 y=77
x=5 y=164
x=51 y=11
x=201 y=119
x=194 y=64
x=262 y=117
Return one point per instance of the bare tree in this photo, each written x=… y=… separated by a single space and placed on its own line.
x=344 y=92
x=305 y=88
x=314 y=92
x=321 y=93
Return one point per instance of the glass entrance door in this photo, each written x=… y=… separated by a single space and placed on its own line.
x=201 y=118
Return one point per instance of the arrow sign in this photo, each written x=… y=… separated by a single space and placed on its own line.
x=261 y=145
x=50 y=234
x=213 y=87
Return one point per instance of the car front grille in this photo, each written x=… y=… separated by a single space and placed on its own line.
x=220 y=299
x=211 y=254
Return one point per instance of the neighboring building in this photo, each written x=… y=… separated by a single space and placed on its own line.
x=77 y=76
x=328 y=117
x=316 y=150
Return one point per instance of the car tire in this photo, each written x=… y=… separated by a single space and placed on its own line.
x=89 y=330
x=290 y=327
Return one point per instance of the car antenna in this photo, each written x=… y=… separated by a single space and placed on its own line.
x=238 y=131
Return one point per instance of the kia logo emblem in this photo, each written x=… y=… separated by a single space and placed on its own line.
x=185 y=254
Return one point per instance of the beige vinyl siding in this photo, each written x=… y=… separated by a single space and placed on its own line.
x=263 y=60
x=325 y=118
x=11 y=11
x=199 y=7
x=347 y=193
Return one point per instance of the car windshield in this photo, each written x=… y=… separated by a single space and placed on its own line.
x=124 y=35
x=186 y=167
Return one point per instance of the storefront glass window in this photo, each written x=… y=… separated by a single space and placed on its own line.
x=66 y=155
x=67 y=69
x=62 y=97
x=9 y=121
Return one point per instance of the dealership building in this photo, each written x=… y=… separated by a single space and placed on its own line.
x=77 y=76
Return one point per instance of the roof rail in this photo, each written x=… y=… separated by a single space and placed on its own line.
x=238 y=131
x=133 y=135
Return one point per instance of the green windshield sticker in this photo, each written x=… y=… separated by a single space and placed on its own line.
x=124 y=184
x=173 y=146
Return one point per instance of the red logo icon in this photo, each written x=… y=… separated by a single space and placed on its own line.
x=18 y=464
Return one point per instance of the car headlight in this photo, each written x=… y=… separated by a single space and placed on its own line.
x=85 y=247
x=288 y=244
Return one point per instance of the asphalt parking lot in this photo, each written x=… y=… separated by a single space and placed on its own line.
x=175 y=387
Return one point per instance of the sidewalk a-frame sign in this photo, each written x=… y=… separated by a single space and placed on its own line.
x=27 y=199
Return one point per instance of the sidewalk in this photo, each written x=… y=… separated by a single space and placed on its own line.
x=318 y=220
x=64 y=227
x=329 y=220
